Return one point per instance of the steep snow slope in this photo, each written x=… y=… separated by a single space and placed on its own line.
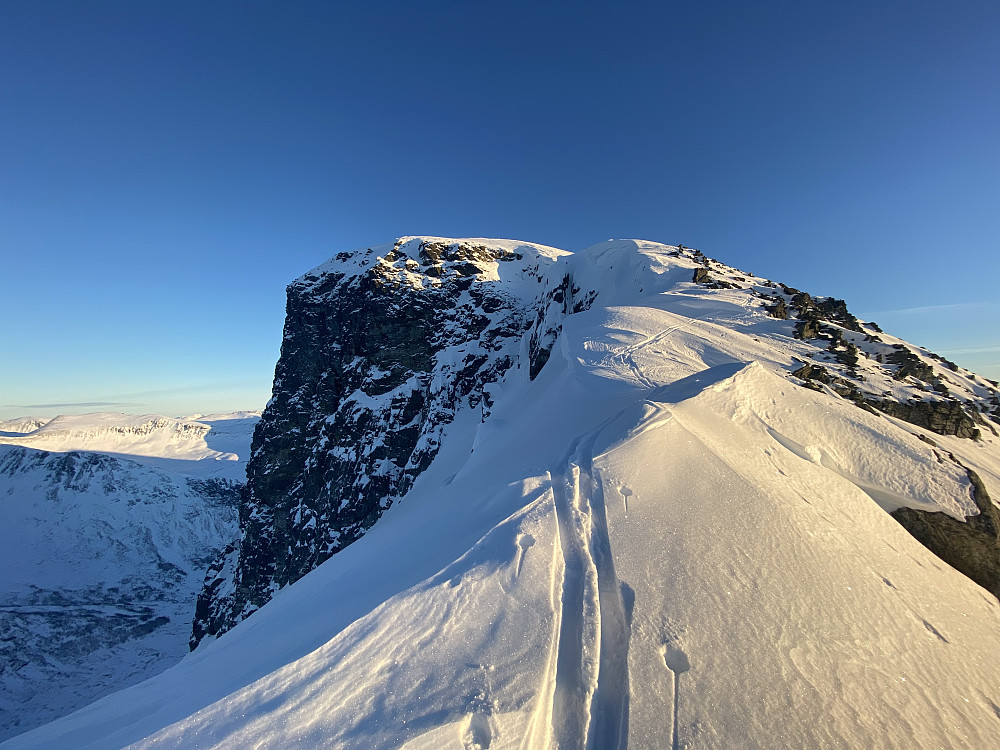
x=661 y=540
x=102 y=556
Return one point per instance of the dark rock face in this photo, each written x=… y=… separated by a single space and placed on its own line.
x=909 y=365
x=971 y=547
x=565 y=298
x=808 y=329
x=214 y=603
x=379 y=354
x=942 y=417
x=809 y=372
x=780 y=310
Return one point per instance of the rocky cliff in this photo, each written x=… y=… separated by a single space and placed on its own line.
x=384 y=347
x=381 y=348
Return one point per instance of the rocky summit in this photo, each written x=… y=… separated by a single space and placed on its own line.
x=381 y=347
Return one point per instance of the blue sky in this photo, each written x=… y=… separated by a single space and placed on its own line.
x=167 y=167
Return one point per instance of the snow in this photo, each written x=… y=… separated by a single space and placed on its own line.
x=360 y=261
x=103 y=556
x=661 y=541
x=213 y=445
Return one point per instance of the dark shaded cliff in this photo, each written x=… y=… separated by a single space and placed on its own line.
x=380 y=350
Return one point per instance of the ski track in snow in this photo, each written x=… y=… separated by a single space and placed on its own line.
x=590 y=706
x=627 y=354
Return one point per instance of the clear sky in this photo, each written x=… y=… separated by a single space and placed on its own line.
x=167 y=167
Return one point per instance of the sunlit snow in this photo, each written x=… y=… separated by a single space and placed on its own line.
x=661 y=541
x=107 y=524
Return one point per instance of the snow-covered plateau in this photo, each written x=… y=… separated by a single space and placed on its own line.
x=506 y=496
x=107 y=524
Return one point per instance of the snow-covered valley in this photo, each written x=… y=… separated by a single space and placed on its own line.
x=109 y=522
x=662 y=521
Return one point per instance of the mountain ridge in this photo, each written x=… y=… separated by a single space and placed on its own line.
x=657 y=531
x=104 y=552
x=421 y=278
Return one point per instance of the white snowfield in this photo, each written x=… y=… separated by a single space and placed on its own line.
x=662 y=541
x=153 y=439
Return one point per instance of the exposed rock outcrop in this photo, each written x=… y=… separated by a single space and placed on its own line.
x=381 y=349
x=780 y=310
x=942 y=417
x=972 y=546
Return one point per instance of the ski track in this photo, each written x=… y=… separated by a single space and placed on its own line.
x=590 y=703
x=627 y=355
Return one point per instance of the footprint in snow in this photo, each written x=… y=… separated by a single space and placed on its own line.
x=476 y=732
x=678 y=663
x=626 y=493
x=523 y=542
x=675 y=659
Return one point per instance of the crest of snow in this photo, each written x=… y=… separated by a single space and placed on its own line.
x=524 y=262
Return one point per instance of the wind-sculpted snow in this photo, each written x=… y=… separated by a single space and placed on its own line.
x=657 y=537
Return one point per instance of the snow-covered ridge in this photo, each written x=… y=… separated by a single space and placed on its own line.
x=661 y=528
x=860 y=359
x=384 y=346
x=116 y=432
x=150 y=437
x=21 y=425
x=423 y=261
